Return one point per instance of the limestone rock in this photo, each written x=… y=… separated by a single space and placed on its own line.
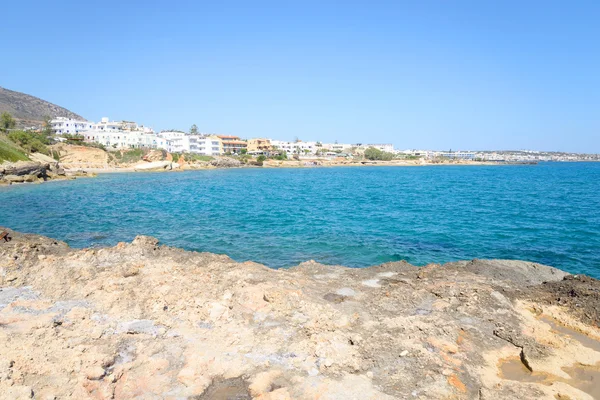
x=155 y=165
x=225 y=162
x=141 y=320
x=21 y=168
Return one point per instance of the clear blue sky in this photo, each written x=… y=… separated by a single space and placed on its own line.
x=419 y=74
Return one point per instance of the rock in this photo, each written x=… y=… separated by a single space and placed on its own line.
x=30 y=178
x=43 y=159
x=14 y=178
x=21 y=168
x=18 y=393
x=225 y=162
x=140 y=318
x=154 y=155
x=95 y=373
x=155 y=165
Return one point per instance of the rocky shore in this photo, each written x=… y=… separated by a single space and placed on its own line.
x=36 y=172
x=141 y=320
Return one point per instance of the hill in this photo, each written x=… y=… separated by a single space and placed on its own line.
x=30 y=110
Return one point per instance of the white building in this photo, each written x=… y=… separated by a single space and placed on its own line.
x=205 y=145
x=296 y=147
x=460 y=155
x=62 y=126
x=106 y=124
x=335 y=147
x=179 y=142
x=171 y=134
x=124 y=139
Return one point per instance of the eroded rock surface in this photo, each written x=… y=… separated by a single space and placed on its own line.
x=141 y=320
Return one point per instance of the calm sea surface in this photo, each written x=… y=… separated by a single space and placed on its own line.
x=548 y=213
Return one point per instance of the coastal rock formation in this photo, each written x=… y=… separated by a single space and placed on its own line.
x=141 y=320
x=35 y=172
x=72 y=156
x=154 y=166
x=225 y=162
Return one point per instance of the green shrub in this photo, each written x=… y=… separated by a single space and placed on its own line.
x=31 y=142
x=128 y=156
x=281 y=156
x=375 y=154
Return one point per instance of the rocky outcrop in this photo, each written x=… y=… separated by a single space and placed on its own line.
x=23 y=171
x=36 y=172
x=155 y=155
x=21 y=168
x=154 y=166
x=141 y=320
x=225 y=162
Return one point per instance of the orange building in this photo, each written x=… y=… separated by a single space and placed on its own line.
x=232 y=144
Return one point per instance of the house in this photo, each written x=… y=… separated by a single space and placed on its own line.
x=259 y=145
x=62 y=126
x=233 y=144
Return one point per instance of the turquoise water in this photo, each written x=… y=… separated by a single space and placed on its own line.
x=548 y=213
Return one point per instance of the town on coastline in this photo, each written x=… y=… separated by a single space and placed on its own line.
x=67 y=147
x=119 y=135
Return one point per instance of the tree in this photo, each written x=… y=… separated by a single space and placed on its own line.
x=243 y=151
x=194 y=130
x=261 y=159
x=7 y=122
x=47 y=126
x=375 y=154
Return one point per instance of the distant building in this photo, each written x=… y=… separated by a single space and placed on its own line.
x=232 y=144
x=338 y=147
x=297 y=147
x=122 y=139
x=62 y=126
x=456 y=155
x=258 y=145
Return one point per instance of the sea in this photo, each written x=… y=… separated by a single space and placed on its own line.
x=547 y=213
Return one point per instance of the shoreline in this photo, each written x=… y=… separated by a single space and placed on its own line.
x=288 y=166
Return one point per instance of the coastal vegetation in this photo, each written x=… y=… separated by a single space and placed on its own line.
x=197 y=157
x=16 y=145
x=7 y=122
x=9 y=151
x=31 y=142
x=128 y=156
x=375 y=154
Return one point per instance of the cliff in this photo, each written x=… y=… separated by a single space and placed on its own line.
x=141 y=320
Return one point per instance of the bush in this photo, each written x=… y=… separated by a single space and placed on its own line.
x=129 y=156
x=281 y=156
x=375 y=154
x=31 y=142
x=260 y=160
